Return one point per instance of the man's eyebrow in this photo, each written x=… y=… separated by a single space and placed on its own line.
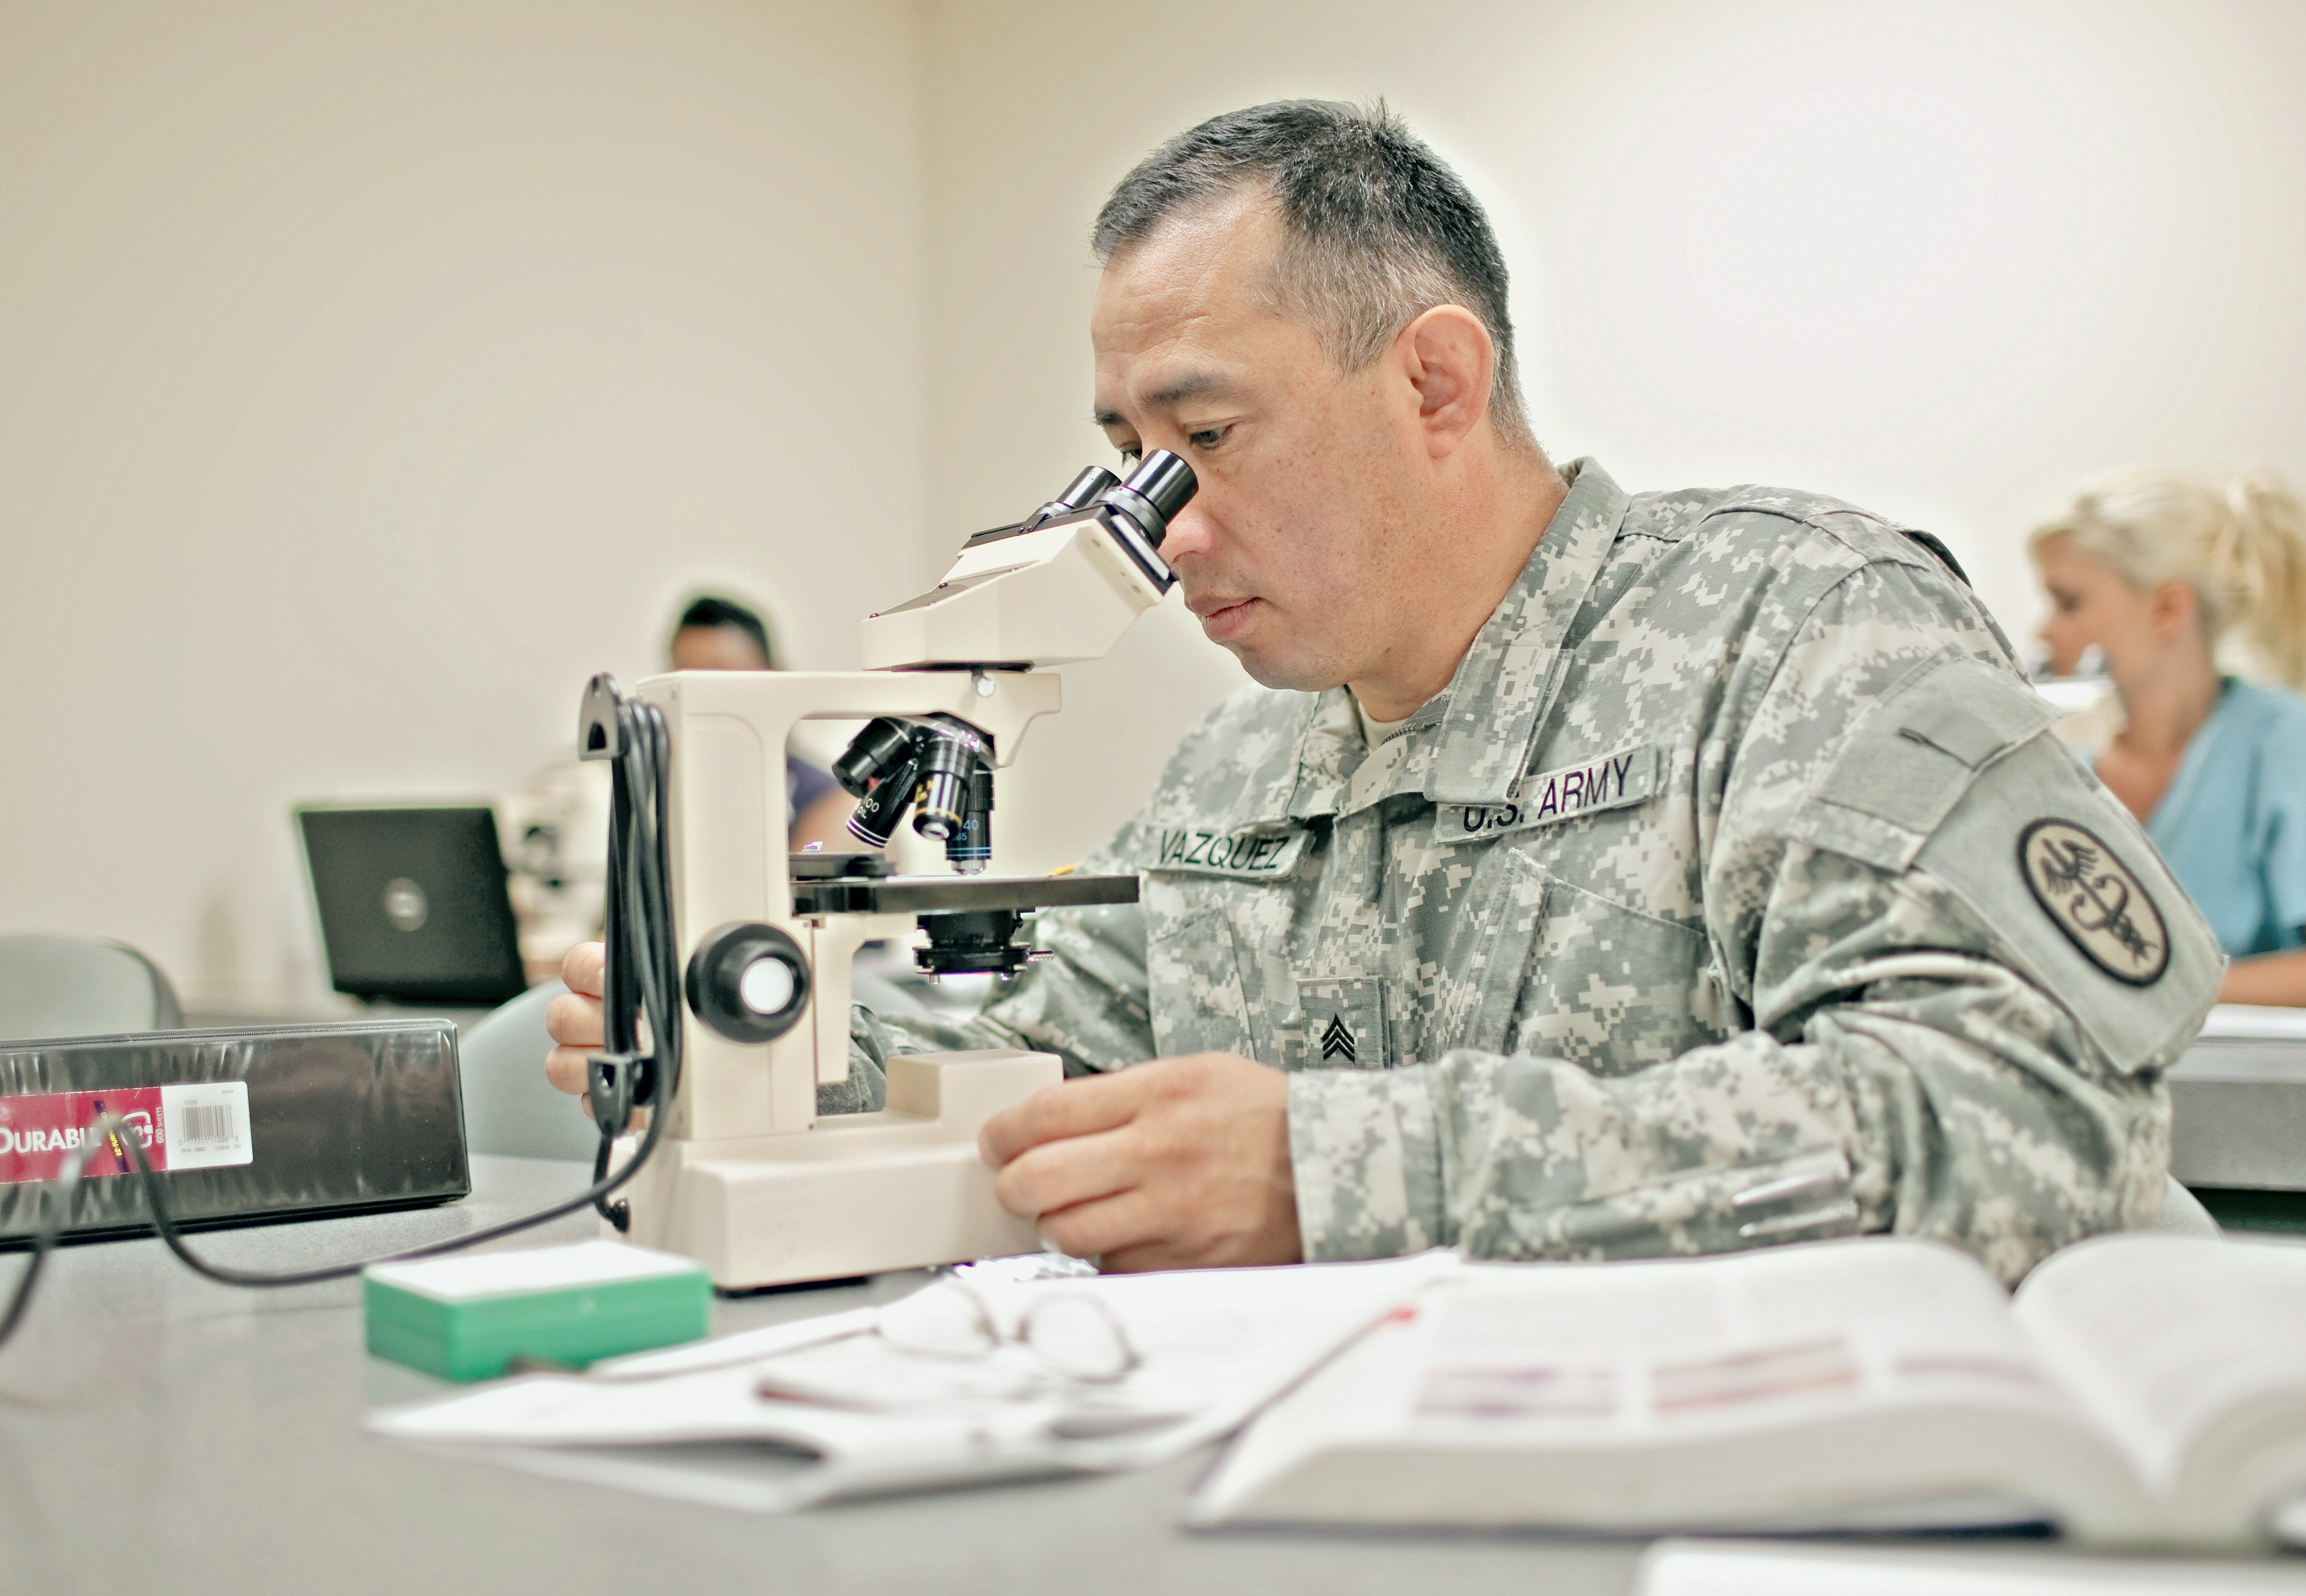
x=1193 y=385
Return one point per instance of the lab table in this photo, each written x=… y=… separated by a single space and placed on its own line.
x=160 y=1432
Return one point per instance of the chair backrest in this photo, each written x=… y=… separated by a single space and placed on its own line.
x=510 y=1109
x=79 y=987
x=2182 y=1214
x=509 y=1106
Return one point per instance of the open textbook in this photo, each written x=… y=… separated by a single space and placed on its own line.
x=2139 y=1389
x=983 y=1378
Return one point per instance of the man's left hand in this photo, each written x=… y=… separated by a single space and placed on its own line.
x=1180 y=1163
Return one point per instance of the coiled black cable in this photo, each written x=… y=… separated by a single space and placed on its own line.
x=641 y=953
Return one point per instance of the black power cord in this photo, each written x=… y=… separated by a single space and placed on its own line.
x=641 y=985
x=641 y=978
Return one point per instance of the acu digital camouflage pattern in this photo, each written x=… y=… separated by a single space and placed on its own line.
x=1691 y=917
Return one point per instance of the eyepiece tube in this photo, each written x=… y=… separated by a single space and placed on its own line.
x=1083 y=491
x=873 y=755
x=1088 y=488
x=1155 y=491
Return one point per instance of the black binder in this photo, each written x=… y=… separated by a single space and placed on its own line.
x=265 y=1123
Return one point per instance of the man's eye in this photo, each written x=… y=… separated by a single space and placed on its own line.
x=1133 y=456
x=1208 y=436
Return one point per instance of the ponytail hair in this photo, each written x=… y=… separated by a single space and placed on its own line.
x=2239 y=541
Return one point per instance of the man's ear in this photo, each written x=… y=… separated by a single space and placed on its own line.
x=1450 y=362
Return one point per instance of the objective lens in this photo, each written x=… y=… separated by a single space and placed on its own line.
x=971 y=849
x=879 y=811
x=946 y=767
x=874 y=755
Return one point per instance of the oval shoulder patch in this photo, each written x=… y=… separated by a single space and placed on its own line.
x=2094 y=900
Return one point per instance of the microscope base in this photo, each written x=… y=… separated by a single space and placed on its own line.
x=856 y=1194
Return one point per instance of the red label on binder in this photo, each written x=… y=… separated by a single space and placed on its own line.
x=199 y=1125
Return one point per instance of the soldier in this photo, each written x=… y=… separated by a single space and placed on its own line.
x=1590 y=875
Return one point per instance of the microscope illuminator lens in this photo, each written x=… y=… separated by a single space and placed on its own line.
x=768 y=985
x=748 y=982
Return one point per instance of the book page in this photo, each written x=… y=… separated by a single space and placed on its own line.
x=1819 y=1382
x=2165 y=1337
x=1655 y=1348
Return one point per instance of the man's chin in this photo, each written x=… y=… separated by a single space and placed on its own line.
x=1294 y=675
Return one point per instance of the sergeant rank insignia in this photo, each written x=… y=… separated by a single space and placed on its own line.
x=1338 y=1042
x=2095 y=900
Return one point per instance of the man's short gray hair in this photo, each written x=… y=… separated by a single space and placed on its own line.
x=1377 y=230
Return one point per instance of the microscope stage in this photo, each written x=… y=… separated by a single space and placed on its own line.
x=957 y=894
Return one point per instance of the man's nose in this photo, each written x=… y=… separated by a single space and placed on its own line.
x=1190 y=535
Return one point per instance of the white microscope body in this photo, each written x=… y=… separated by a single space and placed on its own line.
x=746 y=1178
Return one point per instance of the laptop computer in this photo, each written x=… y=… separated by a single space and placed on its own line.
x=413 y=903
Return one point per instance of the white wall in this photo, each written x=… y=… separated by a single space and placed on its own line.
x=1940 y=259
x=374 y=373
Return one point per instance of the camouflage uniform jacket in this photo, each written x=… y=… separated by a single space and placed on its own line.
x=1732 y=894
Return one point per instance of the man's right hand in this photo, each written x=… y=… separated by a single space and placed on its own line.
x=573 y=1020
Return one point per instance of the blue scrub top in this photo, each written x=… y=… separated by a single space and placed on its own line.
x=2232 y=824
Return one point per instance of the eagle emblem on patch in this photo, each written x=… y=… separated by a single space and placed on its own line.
x=2094 y=900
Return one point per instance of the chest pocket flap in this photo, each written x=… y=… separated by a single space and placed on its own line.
x=1911 y=759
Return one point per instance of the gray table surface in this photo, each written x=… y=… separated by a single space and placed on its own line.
x=160 y=1433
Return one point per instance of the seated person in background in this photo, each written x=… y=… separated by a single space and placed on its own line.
x=556 y=829
x=2157 y=568
x=715 y=634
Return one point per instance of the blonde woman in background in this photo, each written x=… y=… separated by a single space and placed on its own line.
x=2168 y=574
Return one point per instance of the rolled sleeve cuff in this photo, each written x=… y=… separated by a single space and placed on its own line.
x=1365 y=1150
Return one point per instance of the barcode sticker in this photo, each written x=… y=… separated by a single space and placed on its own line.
x=206 y=1124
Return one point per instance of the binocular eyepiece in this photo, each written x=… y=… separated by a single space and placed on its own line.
x=941 y=769
x=1161 y=485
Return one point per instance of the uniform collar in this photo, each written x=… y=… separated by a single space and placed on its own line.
x=1507 y=680
x=1472 y=743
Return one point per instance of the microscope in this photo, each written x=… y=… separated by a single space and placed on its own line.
x=743 y=1175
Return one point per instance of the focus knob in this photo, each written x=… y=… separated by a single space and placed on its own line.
x=748 y=982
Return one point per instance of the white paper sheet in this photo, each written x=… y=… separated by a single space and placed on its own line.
x=1214 y=1347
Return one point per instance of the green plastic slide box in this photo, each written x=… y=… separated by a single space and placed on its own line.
x=467 y=1318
